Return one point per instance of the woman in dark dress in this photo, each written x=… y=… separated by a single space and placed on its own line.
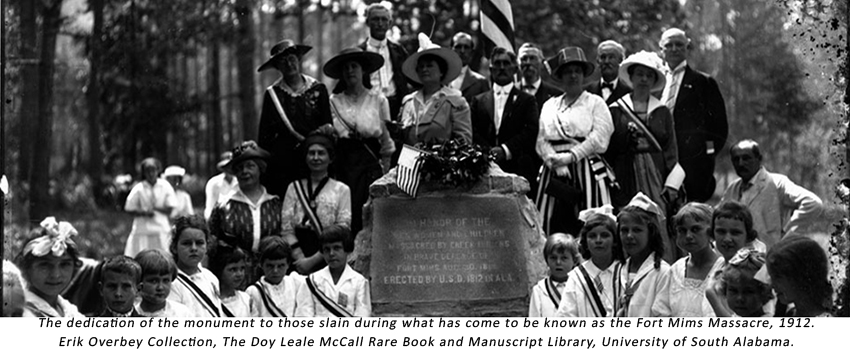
x=293 y=106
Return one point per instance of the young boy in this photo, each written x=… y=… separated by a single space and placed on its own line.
x=336 y=290
x=561 y=255
x=119 y=284
x=275 y=294
x=158 y=271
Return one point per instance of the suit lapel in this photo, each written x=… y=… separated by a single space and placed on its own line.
x=467 y=80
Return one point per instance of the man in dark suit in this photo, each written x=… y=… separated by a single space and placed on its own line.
x=389 y=80
x=530 y=64
x=609 y=55
x=469 y=82
x=504 y=120
x=699 y=115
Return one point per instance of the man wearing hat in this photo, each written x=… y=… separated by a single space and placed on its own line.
x=699 y=115
x=504 y=120
x=389 y=80
x=530 y=65
x=469 y=82
x=219 y=185
x=609 y=54
x=293 y=106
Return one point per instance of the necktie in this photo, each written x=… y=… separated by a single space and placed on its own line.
x=599 y=286
x=744 y=187
x=672 y=89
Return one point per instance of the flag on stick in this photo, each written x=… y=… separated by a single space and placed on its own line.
x=497 y=25
x=409 y=163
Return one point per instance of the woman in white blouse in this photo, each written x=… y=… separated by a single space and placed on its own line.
x=574 y=131
x=364 y=146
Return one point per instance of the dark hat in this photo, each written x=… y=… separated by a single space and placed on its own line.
x=324 y=135
x=246 y=151
x=284 y=47
x=224 y=159
x=369 y=61
x=567 y=55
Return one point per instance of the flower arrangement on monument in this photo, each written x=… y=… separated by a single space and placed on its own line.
x=454 y=163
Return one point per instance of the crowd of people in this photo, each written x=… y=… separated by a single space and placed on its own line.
x=620 y=168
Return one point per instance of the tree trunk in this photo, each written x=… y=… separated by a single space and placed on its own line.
x=245 y=65
x=40 y=176
x=95 y=161
x=29 y=93
x=214 y=94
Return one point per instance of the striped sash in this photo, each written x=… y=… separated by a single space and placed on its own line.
x=268 y=302
x=198 y=294
x=309 y=212
x=552 y=290
x=328 y=303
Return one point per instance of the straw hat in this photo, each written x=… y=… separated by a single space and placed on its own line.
x=426 y=47
x=646 y=59
x=284 y=47
x=369 y=61
x=567 y=55
x=174 y=170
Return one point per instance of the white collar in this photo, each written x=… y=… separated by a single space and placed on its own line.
x=652 y=105
x=678 y=68
x=377 y=43
x=68 y=309
x=308 y=83
x=325 y=273
x=506 y=89
x=240 y=196
x=613 y=82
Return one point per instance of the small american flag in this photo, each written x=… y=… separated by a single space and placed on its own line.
x=409 y=163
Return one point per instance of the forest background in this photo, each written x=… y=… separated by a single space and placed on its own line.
x=91 y=87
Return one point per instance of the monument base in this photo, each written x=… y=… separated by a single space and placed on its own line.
x=451 y=252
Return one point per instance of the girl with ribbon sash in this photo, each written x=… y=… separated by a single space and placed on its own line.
x=561 y=253
x=644 y=275
x=594 y=287
x=573 y=133
x=314 y=203
x=195 y=287
x=48 y=262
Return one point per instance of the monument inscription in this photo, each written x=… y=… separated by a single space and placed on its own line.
x=433 y=249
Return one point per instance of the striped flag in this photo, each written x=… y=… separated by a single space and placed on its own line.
x=409 y=163
x=497 y=25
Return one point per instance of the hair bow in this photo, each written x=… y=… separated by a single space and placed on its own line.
x=55 y=241
x=606 y=210
x=641 y=201
x=753 y=258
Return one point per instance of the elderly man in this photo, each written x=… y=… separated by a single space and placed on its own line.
x=530 y=65
x=469 y=82
x=778 y=205
x=609 y=55
x=699 y=115
x=389 y=80
x=504 y=120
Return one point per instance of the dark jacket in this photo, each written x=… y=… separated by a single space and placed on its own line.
x=619 y=91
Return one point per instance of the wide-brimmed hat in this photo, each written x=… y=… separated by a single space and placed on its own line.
x=647 y=59
x=246 y=151
x=369 y=61
x=284 y=47
x=567 y=55
x=426 y=47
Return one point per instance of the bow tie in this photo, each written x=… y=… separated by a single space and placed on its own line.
x=609 y=86
x=527 y=87
x=501 y=92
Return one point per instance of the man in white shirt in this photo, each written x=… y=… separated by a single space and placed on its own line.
x=505 y=120
x=389 y=80
x=469 y=82
x=609 y=55
x=779 y=206
x=530 y=66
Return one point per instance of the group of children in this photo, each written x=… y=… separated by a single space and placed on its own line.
x=615 y=268
x=176 y=283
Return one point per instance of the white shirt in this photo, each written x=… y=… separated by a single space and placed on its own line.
x=577 y=302
x=216 y=187
x=382 y=80
x=351 y=292
x=240 y=304
x=284 y=295
x=606 y=92
x=531 y=88
x=207 y=283
x=674 y=81
x=541 y=304
x=500 y=98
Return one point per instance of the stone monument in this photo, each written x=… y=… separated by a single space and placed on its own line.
x=451 y=251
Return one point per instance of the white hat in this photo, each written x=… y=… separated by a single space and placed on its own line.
x=174 y=170
x=426 y=47
x=647 y=59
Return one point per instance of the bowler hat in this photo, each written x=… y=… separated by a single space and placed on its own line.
x=283 y=47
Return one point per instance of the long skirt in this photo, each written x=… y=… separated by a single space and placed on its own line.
x=560 y=215
x=358 y=165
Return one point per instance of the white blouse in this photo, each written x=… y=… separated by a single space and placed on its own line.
x=587 y=117
x=366 y=115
